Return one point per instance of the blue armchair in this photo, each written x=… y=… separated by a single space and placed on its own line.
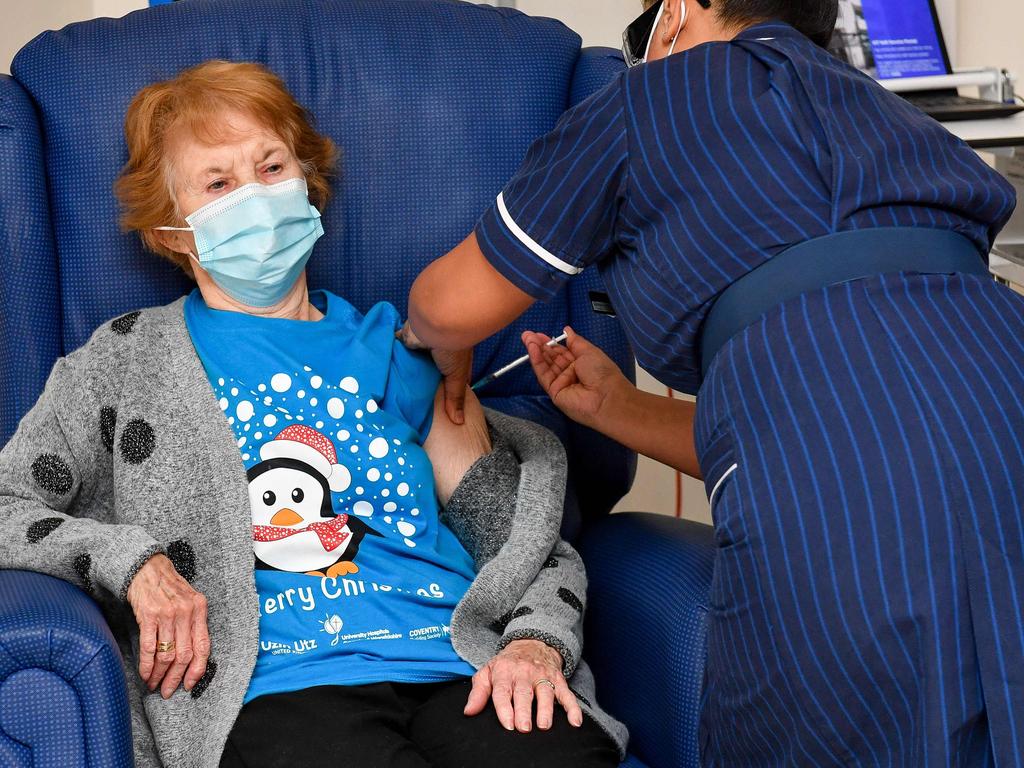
x=434 y=103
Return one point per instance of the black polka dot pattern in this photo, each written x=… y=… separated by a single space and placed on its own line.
x=503 y=621
x=124 y=324
x=550 y=563
x=569 y=598
x=137 y=441
x=108 y=423
x=183 y=557
x=204 y=682
x=83 y=567
x=40 y=529
x=52 y=474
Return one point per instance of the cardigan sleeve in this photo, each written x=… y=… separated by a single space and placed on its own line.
x=480 y=512
x=551 y=610
x=49 y=471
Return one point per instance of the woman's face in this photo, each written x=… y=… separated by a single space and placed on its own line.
x=247 y=153
x=201 y=172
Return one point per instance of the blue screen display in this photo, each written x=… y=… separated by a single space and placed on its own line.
x=904 y=38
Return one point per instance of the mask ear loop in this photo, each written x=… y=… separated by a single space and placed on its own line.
x=180 y=229
x=654 y=31
x=679 y=30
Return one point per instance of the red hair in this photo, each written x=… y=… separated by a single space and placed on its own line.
x=193 y=101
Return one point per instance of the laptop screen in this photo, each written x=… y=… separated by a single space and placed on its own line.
x=891 y=38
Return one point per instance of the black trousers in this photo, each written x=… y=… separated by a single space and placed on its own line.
x=401 y=725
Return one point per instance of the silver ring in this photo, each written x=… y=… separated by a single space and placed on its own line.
x=545 y=681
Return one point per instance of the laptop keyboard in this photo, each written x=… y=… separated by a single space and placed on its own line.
x=923 y=102
x=947 y=107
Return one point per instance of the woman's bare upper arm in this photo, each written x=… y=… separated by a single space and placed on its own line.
x=454 y=448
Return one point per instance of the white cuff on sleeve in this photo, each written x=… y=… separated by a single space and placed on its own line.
x=533 y=245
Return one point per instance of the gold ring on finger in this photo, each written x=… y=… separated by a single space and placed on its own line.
x=165 y=646
x=544 y=681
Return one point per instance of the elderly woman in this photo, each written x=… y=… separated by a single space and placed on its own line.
x=255 y=471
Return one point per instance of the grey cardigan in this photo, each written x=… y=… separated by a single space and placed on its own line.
x=127 y=453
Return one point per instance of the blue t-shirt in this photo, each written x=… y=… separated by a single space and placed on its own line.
x=356 y=575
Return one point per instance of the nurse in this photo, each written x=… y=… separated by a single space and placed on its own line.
x=808 y=252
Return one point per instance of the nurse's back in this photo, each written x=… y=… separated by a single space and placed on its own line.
x=772 y=142
x=718 y=158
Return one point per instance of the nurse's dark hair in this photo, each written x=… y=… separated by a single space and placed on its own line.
x=814 y=18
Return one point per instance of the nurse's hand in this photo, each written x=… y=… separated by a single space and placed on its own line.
x=579 y=378
x=455 y=366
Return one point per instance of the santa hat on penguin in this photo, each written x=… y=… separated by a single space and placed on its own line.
x=305 y=444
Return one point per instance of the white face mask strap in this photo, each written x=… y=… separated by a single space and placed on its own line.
x=654 y=31
x=174 y=229
x=657 y=21
x=679 y=29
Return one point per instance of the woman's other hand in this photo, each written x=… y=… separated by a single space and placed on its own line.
x=579 y=378
x=168 y=610
x=524 y=670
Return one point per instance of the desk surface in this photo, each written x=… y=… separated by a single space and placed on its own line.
x=988 y=134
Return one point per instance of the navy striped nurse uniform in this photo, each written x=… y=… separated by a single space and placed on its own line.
x=863 y=443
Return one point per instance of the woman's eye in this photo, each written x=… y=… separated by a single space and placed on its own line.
x=217 y=186
x=298 y=495
x=275 y=168
x=269 y=497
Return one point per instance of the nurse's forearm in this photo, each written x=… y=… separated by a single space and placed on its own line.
x=460 y=299
x=660 y=428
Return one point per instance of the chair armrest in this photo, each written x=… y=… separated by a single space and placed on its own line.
x=650 y=577
x=63 y=700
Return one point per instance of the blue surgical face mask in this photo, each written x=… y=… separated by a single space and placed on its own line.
x=254 y=242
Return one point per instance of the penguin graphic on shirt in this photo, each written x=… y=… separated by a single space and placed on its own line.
x=294 y=525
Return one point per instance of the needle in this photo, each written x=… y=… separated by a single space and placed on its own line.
x=515 y=364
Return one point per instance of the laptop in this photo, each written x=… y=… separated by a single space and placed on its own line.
x=892 y=39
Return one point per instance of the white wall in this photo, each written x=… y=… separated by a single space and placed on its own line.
x=24 y=20
x=116 y=8
x=599 y=22
x=947 y=17
x=991 y=33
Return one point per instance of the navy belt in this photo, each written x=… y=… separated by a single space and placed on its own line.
x=831 y=260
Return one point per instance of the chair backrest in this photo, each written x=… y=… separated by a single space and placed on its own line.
x=433 y=103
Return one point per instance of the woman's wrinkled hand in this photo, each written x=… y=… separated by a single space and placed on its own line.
x=167 y=609
x=579 y=378
x=513 y=680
